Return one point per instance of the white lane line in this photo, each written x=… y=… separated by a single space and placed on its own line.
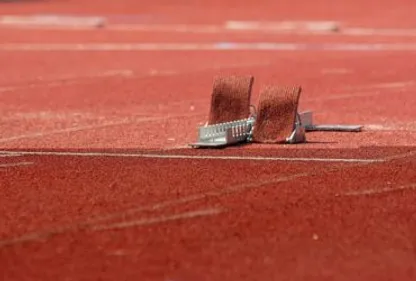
x=376 y=191
x=158 y=219
x=216 y=46
x=53 y=20
x=194 y=157
x=17 y=164
x=9 y=154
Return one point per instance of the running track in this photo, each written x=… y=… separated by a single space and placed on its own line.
x=97 y=182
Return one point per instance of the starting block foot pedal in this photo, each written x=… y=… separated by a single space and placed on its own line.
x=230 y=99
x=277 y=118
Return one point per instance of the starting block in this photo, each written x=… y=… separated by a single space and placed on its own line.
x=224 y=134
x=277 y=119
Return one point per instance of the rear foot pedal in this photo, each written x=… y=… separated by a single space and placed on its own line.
x=277 y=120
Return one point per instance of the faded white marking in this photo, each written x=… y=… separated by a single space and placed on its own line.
x=180 y=28
x=16 y=164
x=393 y=85
x=9 y=154
x=377 y=191
x=218 y=46
x=90 y=222
x=336 y=71
x=38 y=236
x=197 y=157
x=341 y=96
x=406 y=127
x=92 y=127
x=401 y=156
x=60 y=131
x=159 y=219
x=52 y=20
x=284 y=26
x=67 y=80
x=379 y=31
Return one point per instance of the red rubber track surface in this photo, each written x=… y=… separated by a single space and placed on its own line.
x=97 y=182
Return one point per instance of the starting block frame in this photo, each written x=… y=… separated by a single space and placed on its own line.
x=224 y=134
x=306 y=118
x=230 y=99
x=240 y=131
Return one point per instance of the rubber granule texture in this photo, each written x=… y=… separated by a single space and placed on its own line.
x=276 y=115
x=230 y=99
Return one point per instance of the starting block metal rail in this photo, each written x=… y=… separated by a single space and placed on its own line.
x=307 y=121
x=223 y=134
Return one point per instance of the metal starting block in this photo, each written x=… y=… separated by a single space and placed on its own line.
x=223 y=134
x=240 y=131
x=277 y=117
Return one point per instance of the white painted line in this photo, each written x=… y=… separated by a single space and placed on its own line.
x=17 y=164
x=158 y=219
x=284 y=26
x=53 y=20
x=195 y=157
x=9 y=154
x=179 y=28
x=352 y=31
x=376 y=191
x=217 y=46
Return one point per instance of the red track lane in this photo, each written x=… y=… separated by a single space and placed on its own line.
x=69 y=100
x=295 y=229
x=340 y=207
